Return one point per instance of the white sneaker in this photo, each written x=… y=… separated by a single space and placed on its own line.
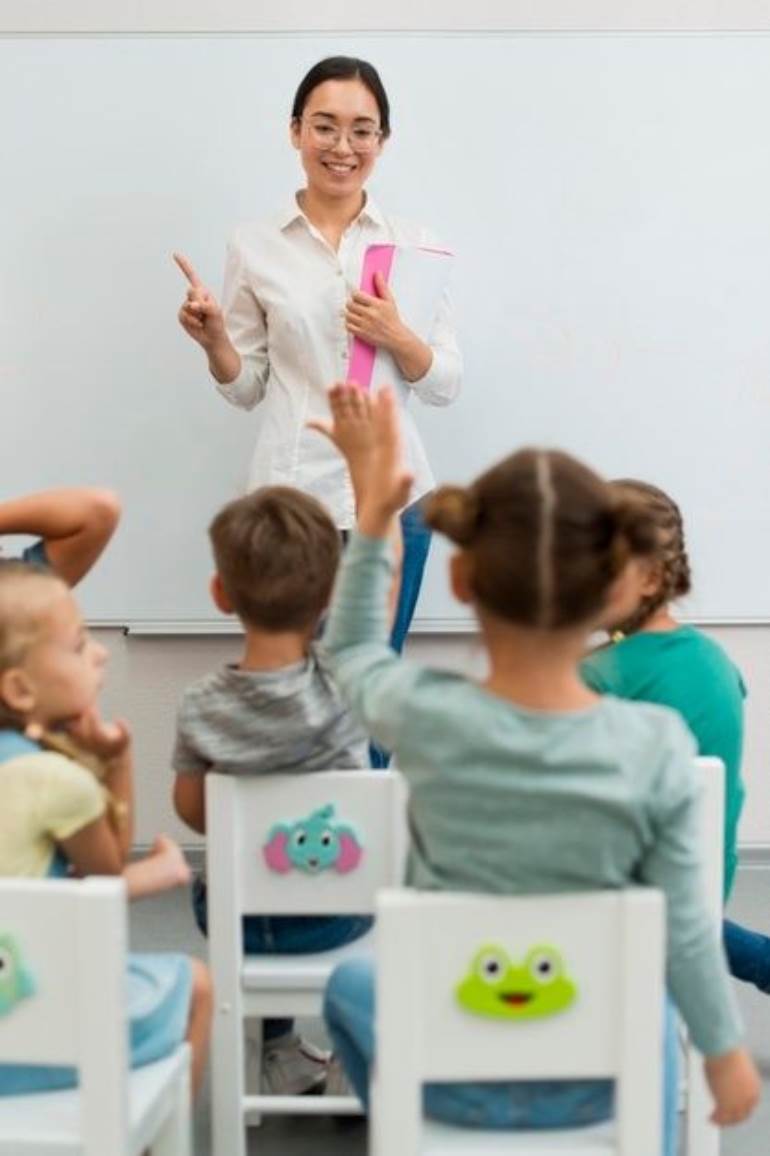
x=292 y=1066
x=337 y=1082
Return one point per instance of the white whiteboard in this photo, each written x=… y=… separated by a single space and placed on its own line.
x=608 y=197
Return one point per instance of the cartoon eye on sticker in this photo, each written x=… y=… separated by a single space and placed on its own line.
x=492 y=965
x=496 y=987
x=312 y=845
x=16 y=980
x=544 y=965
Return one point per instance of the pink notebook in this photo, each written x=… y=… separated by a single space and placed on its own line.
x=417 y=277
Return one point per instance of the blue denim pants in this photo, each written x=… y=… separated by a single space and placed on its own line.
x=748 y=954
x=417 y=538
x=536 y=1104
x=286 y=935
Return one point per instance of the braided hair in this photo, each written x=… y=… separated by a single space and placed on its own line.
x=669 y=555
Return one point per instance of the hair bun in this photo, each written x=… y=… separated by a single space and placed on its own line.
x=454 y=512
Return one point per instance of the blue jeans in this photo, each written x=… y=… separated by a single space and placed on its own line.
x=417 y=538
x=748 y=954
x=286 y=935
x=349 y=1015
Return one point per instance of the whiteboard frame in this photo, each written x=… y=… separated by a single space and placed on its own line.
x=52 y=18
x=227 y=627
x=207 y=17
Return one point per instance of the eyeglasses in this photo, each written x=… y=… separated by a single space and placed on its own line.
x=362 y=138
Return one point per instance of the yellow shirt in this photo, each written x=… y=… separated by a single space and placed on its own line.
x=44 y=798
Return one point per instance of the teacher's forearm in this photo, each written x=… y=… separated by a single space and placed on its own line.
x=412 y=356
x=224 y=361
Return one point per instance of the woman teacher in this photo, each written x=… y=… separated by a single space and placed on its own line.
x=291 y=307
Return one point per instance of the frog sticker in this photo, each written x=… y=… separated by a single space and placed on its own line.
x=499 y=988
x=16 y=980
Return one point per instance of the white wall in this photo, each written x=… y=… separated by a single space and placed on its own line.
x=148 y=674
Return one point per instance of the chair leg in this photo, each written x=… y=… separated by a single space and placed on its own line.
x=702 y=1138
x=227 y=1081
x=175 y=1135
x=254 y=1039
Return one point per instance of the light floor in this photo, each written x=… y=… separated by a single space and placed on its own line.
x=167 y=924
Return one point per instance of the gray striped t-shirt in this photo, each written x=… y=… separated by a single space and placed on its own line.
x=268 y=721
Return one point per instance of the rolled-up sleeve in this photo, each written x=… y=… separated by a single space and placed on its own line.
x=246 y=326
x=441 y=384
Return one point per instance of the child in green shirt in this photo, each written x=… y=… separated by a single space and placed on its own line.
x=654 y=658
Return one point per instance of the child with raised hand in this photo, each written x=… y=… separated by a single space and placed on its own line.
x=528 y=782
x=276 y=710
x=57 y=818
x=72 y=527
x=655 y=658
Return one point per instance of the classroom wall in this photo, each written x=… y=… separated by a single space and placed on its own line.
x=147 y=675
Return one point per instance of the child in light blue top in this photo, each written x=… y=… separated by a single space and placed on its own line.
x=528 y=782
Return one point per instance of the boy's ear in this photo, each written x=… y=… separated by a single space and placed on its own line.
x=460 y=577
x=219 y=597
x=17 y=691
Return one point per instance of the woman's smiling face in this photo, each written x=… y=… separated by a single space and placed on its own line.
x=345 y=109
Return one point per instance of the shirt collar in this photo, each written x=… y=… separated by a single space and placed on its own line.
x=292 y=212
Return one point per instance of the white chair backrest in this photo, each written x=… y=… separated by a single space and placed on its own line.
x=314 y=844
x=711 y=773
x=62 y=991
x=442 y=957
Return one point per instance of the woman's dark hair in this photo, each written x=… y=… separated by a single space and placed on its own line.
x=545 y=535
x=344 y=68
x=669 y=555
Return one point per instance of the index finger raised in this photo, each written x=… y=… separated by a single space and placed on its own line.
x=187 y=270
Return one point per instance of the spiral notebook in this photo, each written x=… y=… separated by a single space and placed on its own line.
x=417 y=277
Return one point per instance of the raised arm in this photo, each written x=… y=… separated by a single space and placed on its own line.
x=354 y=431
x=375 y=681
x=233 y=336
x=74 y=524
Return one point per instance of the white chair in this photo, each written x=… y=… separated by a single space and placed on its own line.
x=611 y=944
x=701 y=1136
x=242 y=814
x=62 y=997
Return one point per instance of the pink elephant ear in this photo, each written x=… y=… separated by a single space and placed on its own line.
x=350 y=853
x=274 y=852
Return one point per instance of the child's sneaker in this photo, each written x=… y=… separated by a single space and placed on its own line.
x=337 y=1082
x=292 y=1066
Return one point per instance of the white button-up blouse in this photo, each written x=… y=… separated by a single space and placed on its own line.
x=284 y=300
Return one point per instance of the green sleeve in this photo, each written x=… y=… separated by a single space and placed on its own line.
x=696 y=970
x=594 y=671
x=378 y=685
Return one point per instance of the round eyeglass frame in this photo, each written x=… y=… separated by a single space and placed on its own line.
x=336 y=134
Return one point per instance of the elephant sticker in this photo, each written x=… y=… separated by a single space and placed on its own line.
x=317 y=843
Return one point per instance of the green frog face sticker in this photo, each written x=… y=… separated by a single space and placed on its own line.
x=16 y=980
x=536 y=988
